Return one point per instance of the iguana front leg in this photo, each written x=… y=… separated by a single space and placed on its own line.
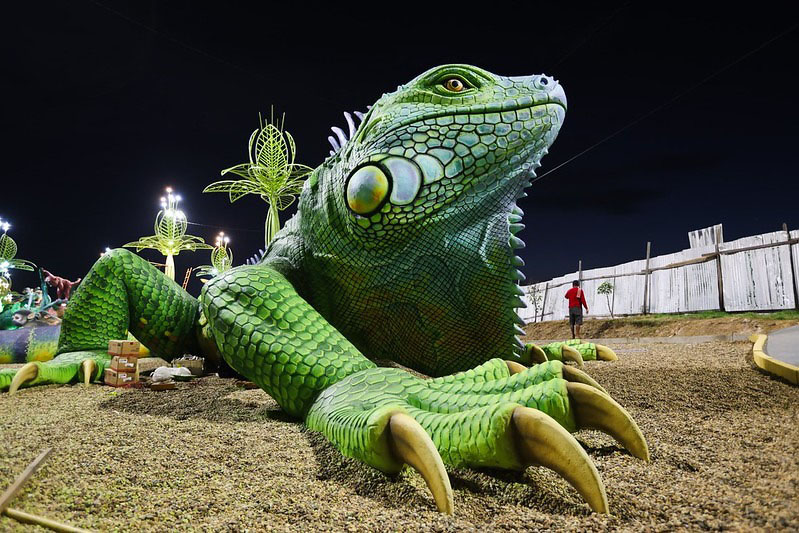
x=387 y=417
x=121 y=292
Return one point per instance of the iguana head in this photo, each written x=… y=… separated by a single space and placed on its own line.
x=455 y=138
x=420 y=198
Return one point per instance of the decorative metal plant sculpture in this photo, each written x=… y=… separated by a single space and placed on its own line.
x=170 y=234
x=271 y=173
x=221 y=258
x=8 y=250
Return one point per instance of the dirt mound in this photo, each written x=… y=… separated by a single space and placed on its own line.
x=657 y=326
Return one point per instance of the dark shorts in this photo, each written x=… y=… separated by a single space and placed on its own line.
x=575 y=316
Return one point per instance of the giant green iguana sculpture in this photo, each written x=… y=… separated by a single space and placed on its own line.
x=402 y=248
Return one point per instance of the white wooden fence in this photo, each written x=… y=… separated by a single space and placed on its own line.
x=755 y=273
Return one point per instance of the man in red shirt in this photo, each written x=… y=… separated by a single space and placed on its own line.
x=576 y=298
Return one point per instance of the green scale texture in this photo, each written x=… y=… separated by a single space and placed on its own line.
x=121 y=292
x=267 y=332
x=554 y=350
x=467 y=415
x=429 y=279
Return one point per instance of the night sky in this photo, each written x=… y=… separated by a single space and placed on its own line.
x=110 y=102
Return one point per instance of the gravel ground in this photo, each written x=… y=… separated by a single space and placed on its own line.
x=212 y=457
x=648 y=326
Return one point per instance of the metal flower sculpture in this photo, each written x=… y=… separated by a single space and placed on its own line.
x=8 y=250
x=221 y=258
x=170 y=234
x=271 y=173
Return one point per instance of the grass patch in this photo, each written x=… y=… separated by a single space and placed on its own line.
x=777 y=315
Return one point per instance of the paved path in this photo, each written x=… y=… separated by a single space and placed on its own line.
x=783 y=344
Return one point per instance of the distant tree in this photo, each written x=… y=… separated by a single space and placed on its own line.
x=271 y=173
x=606 y=288
x=536 y=295
x=170 y=234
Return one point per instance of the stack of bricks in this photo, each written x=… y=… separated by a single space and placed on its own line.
x=124 y=369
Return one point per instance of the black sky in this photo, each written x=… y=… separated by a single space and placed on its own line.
x=109 y=102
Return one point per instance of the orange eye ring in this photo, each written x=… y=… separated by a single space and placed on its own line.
x=455 y=85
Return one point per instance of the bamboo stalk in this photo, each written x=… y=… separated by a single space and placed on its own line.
x=27 y=518
x=14 y=488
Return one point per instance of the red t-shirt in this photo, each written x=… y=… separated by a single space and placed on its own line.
x=576 y=296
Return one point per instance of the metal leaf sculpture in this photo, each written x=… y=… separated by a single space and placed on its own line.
x=170 y=234
x=271 y=173
x=221 y=258
x=8 y=261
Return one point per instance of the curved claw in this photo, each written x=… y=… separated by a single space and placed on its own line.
x=411 y=444
x=594 y=409
x=536 y=354
x=88 y=367
x=603 y=353
x=544 y=442
x=570 y=354
x=514 y=367
x=26 y=373
x=578 y=376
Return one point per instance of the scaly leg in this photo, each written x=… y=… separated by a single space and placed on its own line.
x=121 y=292
x=499 y=414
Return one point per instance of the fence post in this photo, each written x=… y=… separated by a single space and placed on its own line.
x=580 y=271
x=613 y=297
x=646 y=278
x=719 y=271
x=793 y=268
x=544 y=301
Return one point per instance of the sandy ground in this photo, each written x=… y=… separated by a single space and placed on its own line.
x=212 y=457
x=642 y=326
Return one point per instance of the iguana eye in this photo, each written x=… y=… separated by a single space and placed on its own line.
x=367 y=189
x=455 y=85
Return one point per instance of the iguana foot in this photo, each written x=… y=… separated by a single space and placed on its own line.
x=496 y=415
x=574 y=350
x=68 y=367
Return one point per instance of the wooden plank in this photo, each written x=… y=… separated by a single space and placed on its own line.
x=719 y=276
x=793 y=266
x=613 y=297
x=544 y=301
x=646 y=273
x=702 y=259
x=14 y=488
x=755 y=247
